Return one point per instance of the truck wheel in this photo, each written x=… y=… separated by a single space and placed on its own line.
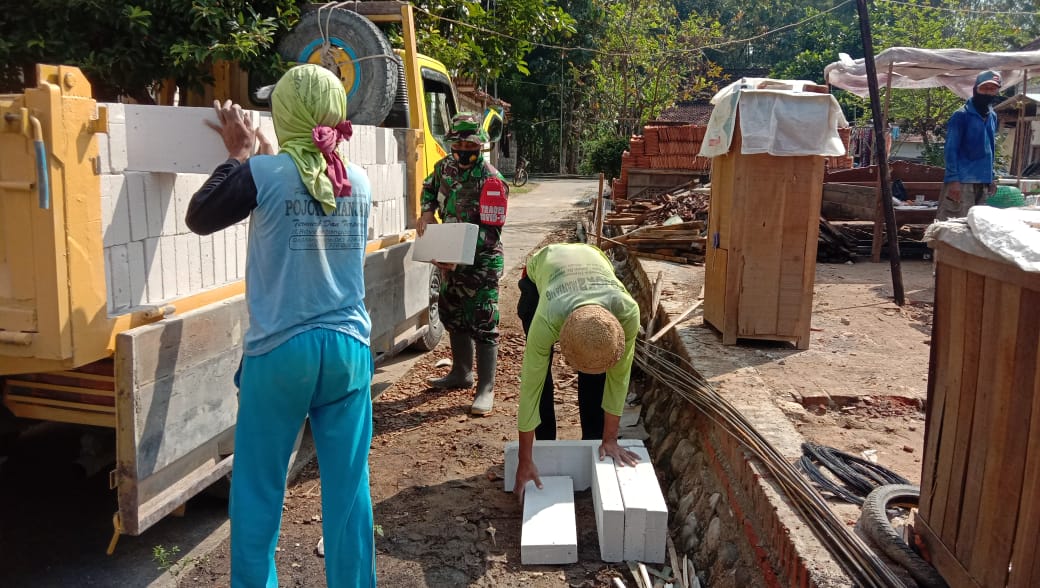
x=435 y=331
x=358 y=53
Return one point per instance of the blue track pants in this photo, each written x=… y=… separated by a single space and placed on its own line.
x=327 y=376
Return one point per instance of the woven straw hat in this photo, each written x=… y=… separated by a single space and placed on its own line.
x=592 y=339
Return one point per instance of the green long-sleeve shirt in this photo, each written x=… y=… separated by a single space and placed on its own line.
x=570 y=275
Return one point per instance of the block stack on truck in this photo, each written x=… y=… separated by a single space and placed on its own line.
x=113 y=314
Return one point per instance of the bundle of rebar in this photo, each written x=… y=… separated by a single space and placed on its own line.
x=848 y=550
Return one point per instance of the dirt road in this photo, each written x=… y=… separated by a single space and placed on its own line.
x=442 y=516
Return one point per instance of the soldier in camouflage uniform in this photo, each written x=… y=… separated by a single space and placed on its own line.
x=468 y=302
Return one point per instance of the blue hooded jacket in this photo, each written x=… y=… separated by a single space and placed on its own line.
x=970 y=146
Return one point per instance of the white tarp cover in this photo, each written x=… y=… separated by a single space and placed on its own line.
x=1001 y=234
x=775 y=122
x=914 y=68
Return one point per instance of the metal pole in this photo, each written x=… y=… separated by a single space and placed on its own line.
x=882 y=153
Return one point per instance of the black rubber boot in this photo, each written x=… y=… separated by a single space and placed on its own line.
x=461 y=374
x=487 y=361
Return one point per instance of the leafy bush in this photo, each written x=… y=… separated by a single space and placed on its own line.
x=603 y=154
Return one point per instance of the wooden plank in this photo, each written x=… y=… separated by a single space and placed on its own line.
x=937 y=391
x=977 y=451
x=1001 y=482
x=764 y=194
x=965 y=387
x=943 y=429
x=943 y=559
x=989 y=268
x=1025 y=566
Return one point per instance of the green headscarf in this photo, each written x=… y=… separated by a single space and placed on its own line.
x=305 y=97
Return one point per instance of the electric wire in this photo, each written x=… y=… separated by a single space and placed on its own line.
x=855 y=557
x=965 y=10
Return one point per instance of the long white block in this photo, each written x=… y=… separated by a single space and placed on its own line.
x=119 y=291
x=610 y=510
x=138 y=273
x=568 y=457
x=646 y=513
x=168 y=139
x=550 y=533
x=153 y=269
x=135 y=195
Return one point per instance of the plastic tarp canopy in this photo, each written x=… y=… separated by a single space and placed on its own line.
x=914 y=68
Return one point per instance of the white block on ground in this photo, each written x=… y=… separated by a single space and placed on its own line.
x=194 y=262
x=182 y=248
x=206 y=247
x=550 y=533
x=168 y=252
x=646 y=513
x=219 y=258
x=568 y=457
x=610 y=510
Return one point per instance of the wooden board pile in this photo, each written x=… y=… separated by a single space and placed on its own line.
x=663 y=147
x=681 y=242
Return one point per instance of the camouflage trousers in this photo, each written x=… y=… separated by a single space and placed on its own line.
x=468 y=301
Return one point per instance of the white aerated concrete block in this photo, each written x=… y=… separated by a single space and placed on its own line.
x=194 y=261
x=135 y=260
x=182 y=251
x=610 y=510
x=165 y=139
x=549 y=534
x=115 y=211
x=231 y=253
x=219 y=258
x=646 y=513
x=571 y=458
x=267 y=127
x=113 y=141
x=136 y=204
x=153 y=270
x=153 y=203
x=119 y=290
x=206 y=246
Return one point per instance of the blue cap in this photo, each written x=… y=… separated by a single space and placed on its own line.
x=988 y=77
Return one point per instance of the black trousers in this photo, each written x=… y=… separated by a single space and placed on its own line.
x=590 y=386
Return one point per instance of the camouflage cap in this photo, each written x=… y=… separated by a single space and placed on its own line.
x=466 y=126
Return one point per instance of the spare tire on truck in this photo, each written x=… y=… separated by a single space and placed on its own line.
x=352 y=47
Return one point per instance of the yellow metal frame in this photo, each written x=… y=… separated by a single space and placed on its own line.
x=60 y=294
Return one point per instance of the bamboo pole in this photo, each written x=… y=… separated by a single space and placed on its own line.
x=882 y=154
x=598 y=217
x=879 y=208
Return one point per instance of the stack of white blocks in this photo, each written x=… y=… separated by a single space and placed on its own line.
x=631 y=513
x=154 y=158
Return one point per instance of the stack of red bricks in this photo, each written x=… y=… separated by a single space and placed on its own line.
x=663 y=147
x=844 y=161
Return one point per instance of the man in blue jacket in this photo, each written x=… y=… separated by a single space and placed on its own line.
x=971 y=150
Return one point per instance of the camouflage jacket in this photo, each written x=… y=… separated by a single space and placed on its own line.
x=454 y=194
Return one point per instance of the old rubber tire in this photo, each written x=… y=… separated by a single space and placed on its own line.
x=874 y=523
x=433 y=334
x=360 y=55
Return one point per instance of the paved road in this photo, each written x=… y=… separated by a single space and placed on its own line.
x=56 y=521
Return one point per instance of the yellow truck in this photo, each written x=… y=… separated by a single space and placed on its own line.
x=114 y=315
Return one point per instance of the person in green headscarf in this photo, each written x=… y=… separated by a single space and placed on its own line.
x=306 y=353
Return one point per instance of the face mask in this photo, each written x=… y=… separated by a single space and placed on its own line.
x=466 y=157
x=983 y=101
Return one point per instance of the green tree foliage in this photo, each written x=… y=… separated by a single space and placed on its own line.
x=487 y=39
x=125 y=48
x=602 y=154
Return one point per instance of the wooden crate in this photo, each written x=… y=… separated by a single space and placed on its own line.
x=760 y=263
x=979 y=512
